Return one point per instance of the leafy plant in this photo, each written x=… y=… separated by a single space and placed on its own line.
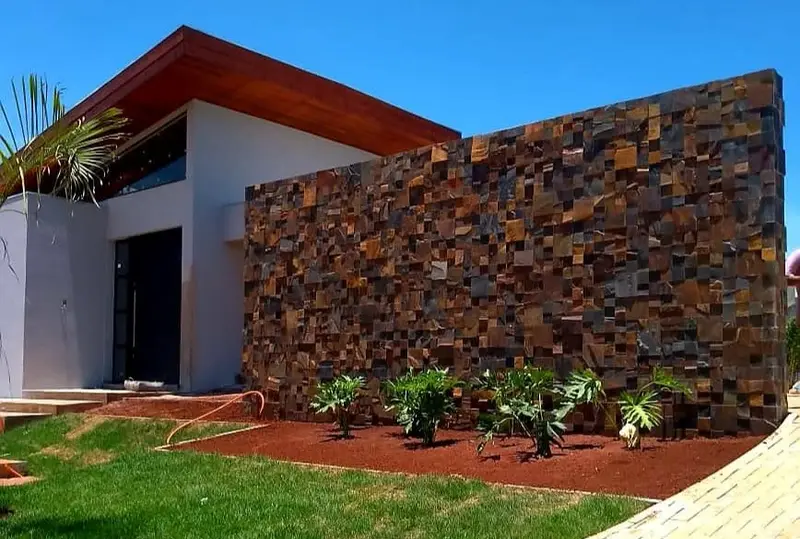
x=421 y=400
x=585 y=386
x=531 y=401
x=39 y=149
x=642 y=408
x=338 y=396
x=793 y=349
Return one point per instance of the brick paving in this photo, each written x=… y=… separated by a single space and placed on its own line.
x=755 y=496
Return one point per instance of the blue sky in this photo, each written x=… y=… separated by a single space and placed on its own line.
x=473 y=65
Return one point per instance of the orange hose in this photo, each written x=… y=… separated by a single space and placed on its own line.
x=215 y=410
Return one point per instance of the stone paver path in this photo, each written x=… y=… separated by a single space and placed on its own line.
x=755 y=496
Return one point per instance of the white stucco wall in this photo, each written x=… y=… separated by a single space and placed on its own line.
x=152 y=210
x=56 y=312
x=13 y=248
x=69 y=271
x=228 y=151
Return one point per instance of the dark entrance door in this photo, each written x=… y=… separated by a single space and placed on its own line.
x=147 y=307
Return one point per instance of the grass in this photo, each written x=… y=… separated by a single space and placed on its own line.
x=102 y=480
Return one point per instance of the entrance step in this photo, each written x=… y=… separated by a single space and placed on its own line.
x=46 y=406
x=103 y=396
x=165 y=389
x=10 y=420
x=19 y=466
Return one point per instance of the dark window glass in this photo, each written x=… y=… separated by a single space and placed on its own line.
x=157 y=160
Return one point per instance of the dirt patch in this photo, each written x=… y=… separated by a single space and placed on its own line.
x=89 y=423
x=172 y=407
x=89 y=458
x=60 y=452
x=381 y=492
x=96 y=456
x=585 y=463
x=456 y=507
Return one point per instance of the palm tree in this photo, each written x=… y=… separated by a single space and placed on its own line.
x=40 y=150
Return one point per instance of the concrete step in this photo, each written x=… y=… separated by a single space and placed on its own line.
x=19 y=466
x=46 y=406
x=794 y=402
x=10 y=420
x=103 y=396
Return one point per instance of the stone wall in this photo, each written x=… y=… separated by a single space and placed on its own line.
x=648 y=232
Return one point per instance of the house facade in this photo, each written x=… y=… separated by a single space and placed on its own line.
x=149 y=284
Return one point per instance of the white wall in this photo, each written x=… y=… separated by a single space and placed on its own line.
x=160 y=208
x=152 y=210
x=68 y=294
x=13 y=247
x=228 y=151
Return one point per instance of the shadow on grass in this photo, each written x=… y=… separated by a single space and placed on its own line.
x=15 y=526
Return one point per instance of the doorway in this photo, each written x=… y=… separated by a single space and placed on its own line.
x=147 y=307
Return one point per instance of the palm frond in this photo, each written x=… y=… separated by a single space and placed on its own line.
x=39 y=146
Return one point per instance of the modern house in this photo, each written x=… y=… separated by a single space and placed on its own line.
x=149 y=285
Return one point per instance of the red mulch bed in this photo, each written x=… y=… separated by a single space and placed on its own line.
x=586 y=462
x=179 y=408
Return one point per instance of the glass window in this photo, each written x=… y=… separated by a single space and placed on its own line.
x=158 y=159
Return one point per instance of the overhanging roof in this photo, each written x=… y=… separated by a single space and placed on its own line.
x=189 y=64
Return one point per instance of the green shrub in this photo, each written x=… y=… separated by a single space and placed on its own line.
x=792 y=349
x=338 y=396
x=421 y=400
x=642 y=408
x=531 y=401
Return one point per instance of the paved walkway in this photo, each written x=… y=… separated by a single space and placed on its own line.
x=755 y=496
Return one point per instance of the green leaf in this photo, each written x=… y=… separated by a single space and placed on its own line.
x=584 y=387
x=641 y=409
x=40 y=148
x=664 y=381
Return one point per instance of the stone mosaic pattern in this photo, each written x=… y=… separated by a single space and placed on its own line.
x=647 y=232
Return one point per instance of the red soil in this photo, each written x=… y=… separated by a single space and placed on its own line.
x=588 y=463
x=179 y=408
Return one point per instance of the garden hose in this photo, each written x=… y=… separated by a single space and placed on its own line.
x=215 y=410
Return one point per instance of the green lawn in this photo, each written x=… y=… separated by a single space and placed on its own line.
x=102 y=480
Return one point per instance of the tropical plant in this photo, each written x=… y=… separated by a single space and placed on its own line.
x=337 y=396
x=421 y=401
x=793 y=349
x=532 y=401
x=39 y=149
x=643 y=407
x=585 y=386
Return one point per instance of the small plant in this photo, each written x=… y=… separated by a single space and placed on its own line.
x=793 y=349
x=531 y=401
x=421 y=400
x=642 y=408
x=338 y=396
